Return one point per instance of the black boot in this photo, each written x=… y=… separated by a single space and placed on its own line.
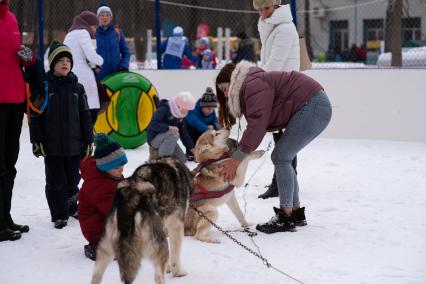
x=272 y=190
x=279 y=223
x=9 y=235
x=189 y=156
x=90 y=251
x=59 y=224
x=20 y=228
x=72 y=206
x=299 y=217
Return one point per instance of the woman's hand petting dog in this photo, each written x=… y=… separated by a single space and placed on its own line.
x=229 y=169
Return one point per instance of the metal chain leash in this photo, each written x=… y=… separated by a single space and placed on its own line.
x=258 y=255
x=202 y=215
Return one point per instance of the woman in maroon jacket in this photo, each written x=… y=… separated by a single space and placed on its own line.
x=101 y=175
x=13 y=56
x=272 y=101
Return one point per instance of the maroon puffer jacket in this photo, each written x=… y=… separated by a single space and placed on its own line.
x=267 y=100
x=94 y=200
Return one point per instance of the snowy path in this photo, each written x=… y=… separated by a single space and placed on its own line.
x=366 y=208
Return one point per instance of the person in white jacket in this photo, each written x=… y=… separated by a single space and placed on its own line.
x=278 y=35
x=79 y=39
x=280 y=52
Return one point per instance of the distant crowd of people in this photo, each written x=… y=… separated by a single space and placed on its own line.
x=353 y=54
x=177 y=54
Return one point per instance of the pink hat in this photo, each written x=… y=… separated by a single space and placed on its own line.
x=185 y=100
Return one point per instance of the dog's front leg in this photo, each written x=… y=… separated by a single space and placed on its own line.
x=235 y=208
x=203 y=225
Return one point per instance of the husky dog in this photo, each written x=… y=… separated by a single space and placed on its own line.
x=211 y=190
x=148 y=206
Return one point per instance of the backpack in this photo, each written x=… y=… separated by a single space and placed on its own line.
x=36 y=89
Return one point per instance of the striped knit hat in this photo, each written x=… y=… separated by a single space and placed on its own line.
x=108 y=154
x=58 y=50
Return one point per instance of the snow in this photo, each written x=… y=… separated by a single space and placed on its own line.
x=411 y=57
x=365 y=205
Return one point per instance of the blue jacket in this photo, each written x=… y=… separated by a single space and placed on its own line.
x=199 y=121
x=162 y=119
x=113 y=49
x=174 y=62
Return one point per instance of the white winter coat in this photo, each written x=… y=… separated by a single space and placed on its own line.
x=83 y=51
x=280 y=41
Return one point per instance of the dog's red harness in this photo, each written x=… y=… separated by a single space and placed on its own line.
x=203 y=192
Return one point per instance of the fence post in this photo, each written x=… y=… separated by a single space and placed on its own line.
x=219 y=46
x=227 y=45
x=148 y=56
x=293 y=11
x=158 y=32
x=40 y=28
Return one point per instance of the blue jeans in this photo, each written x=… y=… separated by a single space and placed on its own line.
x=304 y=126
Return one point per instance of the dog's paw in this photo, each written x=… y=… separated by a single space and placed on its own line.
x=179 y=273
x=246 y=224
x=207 y=239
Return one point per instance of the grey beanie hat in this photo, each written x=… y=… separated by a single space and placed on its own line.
x=262 y=3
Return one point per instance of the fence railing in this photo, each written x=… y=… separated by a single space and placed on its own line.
x=338 y=33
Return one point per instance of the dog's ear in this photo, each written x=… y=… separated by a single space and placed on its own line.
x=199 y=151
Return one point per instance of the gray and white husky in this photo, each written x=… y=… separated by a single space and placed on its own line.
x=148 y=206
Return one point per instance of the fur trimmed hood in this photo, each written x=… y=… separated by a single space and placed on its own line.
x=238 y=77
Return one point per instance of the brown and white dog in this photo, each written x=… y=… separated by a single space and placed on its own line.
x=210 y=188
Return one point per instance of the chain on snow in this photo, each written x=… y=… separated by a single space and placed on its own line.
x=226 y=233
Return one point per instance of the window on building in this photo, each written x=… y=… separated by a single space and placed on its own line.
x=411 y=29
x=339 y=35
x=373 y=29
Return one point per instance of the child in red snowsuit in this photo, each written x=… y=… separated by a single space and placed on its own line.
x=101 y=174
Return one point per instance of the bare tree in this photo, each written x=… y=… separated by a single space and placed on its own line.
x=393 y=40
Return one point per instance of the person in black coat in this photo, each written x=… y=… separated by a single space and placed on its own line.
x=246 y=50
x=62 y=134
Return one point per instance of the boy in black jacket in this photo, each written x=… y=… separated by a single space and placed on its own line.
x=62 y=134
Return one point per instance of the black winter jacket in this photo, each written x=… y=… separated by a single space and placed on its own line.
x=65 y=126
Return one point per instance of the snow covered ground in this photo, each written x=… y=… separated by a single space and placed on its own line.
x=365 y=205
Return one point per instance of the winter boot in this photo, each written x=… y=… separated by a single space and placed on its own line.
x=72 y=206
x=90 y=251
x=299 y=217
x=20 y=228
x=189 y=156
x=9 y=235
x=272 y=190
x=153 y=153
x=59 y=224
x=279 y=223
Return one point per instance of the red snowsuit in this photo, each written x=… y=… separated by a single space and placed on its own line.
x=94 y=199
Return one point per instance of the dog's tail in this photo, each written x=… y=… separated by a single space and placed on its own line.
x=129 y=253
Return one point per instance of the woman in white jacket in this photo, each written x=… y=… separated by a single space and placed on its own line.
x=278 y=35
x=280 y=52
x=79 y=39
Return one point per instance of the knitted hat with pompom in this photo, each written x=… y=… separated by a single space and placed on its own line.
x=108 y=153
